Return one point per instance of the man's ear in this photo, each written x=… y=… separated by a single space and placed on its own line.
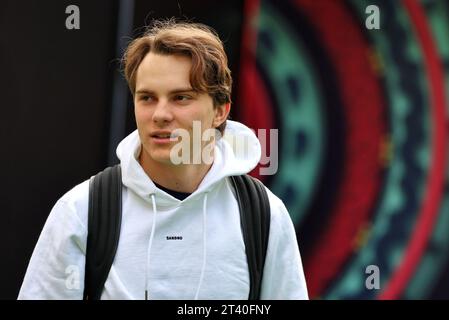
x=221 y=114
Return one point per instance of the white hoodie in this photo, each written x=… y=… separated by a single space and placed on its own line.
x=208 y=263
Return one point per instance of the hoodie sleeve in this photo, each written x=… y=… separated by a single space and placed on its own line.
x=283 y=277
x=56 y=268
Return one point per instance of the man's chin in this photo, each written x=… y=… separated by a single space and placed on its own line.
x=163 y=159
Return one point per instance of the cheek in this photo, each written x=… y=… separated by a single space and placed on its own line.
x=207 y=116
x=137 y=111
x=141 y=114
x=210 y=118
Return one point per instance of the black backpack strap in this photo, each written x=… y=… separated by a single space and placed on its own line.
x=255 y=215
x=105 y=215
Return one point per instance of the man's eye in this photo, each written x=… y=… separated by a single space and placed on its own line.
x=182 y=97
x=145 y=98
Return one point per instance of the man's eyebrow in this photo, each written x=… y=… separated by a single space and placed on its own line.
x=171 y=92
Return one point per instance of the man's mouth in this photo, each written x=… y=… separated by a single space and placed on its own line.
x=161 y=136
x=164 y=136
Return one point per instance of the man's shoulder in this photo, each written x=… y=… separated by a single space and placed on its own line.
x=276 y=203
x=76 y=200
x=79 y=192
x=279 y=212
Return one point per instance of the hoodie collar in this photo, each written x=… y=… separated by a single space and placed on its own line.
x=236 y=153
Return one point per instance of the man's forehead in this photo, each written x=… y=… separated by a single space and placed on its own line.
x=143 y=89
x=158 y=63
x=166 y=83
x=163 y=73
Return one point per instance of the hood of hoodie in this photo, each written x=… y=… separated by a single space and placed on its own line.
x=236 y=153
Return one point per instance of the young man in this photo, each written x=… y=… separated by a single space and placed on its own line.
x=181 y=235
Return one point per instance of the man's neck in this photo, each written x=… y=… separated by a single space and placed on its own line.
x=182 y=178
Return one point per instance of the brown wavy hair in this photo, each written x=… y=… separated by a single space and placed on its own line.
x=209 y=73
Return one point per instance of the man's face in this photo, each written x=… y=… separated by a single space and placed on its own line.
x=164 y=101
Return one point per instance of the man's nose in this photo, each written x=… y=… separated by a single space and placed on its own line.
x=162 y=112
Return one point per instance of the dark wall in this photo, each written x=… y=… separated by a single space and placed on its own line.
x=55 y=91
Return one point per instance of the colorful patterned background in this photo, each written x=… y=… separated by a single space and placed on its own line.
x=363 y=137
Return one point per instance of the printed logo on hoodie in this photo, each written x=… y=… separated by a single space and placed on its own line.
x=174 y=237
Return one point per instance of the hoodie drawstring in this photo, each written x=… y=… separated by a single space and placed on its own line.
x=203 y=267
x=150 y=244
